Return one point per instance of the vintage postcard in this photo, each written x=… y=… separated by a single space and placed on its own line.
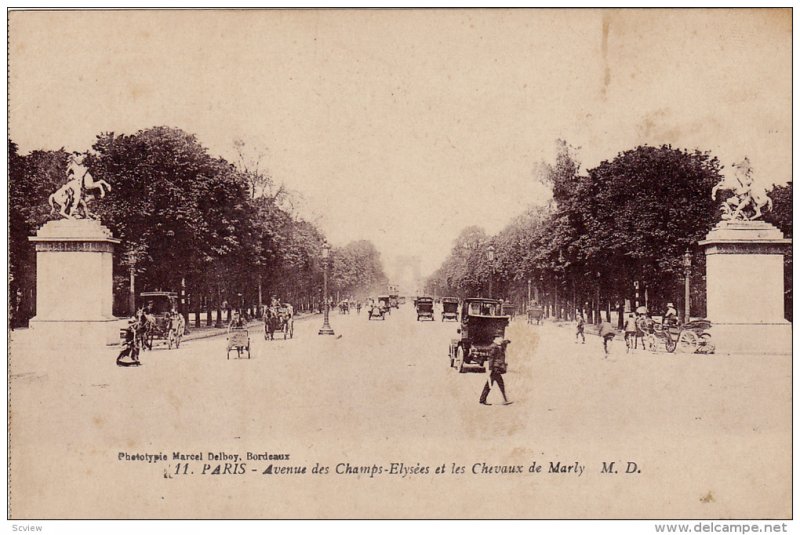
x=395 y=264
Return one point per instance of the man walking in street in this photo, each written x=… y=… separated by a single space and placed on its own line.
x=497 y=367
x=607 y=333
x=580 y=324
x=630 y=333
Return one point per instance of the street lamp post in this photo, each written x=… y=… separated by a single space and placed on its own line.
x=326 y=327
x=491 y=263
x=687 y=273
x=529 y=292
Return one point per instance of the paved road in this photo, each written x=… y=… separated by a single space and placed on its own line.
x=710 y=434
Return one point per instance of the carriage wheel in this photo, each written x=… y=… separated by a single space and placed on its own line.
x=669 y=343
x=688 y=342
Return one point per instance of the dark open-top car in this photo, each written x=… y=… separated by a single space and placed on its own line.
x=385 y=304
x=450 y=308
x=425 y=308
x=481 y=321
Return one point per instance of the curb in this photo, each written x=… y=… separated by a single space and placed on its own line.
x=223 y=330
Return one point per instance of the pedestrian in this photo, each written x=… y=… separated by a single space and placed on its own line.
x=580 y=325
x=497 y=367
x=670 y=317
x=630 y=333
x=131 y=348
x=237 y=322
x=606 y=332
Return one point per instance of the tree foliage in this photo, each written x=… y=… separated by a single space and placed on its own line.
x=184 y=217
x=629 y=219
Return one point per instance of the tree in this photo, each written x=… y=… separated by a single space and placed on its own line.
x=32 y=179
x=781 y=217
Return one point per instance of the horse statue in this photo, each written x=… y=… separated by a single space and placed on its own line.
x=744 y=195
x=71 y=195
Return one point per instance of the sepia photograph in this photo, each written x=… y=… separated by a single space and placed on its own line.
x=371 y=264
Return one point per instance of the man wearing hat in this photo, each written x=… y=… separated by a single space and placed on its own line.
x=497 y=367
x=670 y=316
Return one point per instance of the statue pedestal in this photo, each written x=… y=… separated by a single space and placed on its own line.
x=74 y=286
x=744 y=288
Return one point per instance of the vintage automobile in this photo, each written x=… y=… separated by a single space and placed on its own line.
x=481 y=322
x=385 y=303
x=157 y=307
x=509 y=309
x=425 y=308
x=450 y=308
x=535 y=314
x=375 y=310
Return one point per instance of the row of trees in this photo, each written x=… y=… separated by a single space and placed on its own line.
x=224 y=233
x=617 y=232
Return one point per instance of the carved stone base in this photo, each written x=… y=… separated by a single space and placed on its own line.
x=744 y=287
x=74 y=283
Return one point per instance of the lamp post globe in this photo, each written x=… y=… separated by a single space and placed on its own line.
x=490 y=255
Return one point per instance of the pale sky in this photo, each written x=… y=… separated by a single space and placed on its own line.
x=403 y=127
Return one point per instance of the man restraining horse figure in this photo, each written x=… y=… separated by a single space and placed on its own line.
x=744 y=194
x=71 y=195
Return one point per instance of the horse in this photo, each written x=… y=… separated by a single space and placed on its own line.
x=71 y=195
x=271 y=324
x=145 y=328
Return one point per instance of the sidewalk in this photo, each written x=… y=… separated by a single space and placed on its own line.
x=589 y=329
x=209 y=332
x=194 y=333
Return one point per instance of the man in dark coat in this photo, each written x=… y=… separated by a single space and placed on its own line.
x=497 y=367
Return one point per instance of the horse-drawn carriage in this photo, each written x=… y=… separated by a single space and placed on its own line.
x=160 y=320
x=279 y=319
x=450 y=308
x=691 y=337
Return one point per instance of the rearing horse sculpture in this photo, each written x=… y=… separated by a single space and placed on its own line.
x=70 y=196
x=744 y=194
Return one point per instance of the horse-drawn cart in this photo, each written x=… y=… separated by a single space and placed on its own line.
x=239 y=340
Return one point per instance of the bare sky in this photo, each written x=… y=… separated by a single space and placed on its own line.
x=403 y=127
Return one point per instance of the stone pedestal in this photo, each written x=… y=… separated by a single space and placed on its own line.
x=744 y=287
x=74 y=286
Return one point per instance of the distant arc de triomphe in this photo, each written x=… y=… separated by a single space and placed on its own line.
x=405 y=262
